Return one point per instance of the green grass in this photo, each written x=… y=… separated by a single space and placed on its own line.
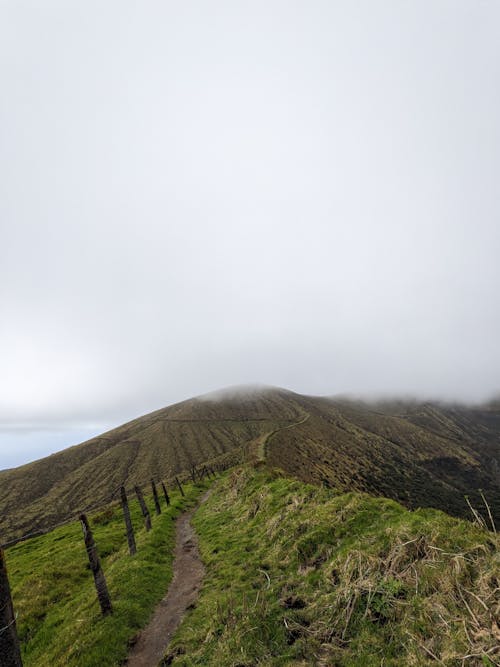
x=59 y=620
x=417 y=454
x=297 y=575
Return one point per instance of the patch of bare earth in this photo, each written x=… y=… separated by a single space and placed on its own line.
x=152 y=642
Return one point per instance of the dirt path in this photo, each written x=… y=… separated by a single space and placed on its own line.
x=263 y=441
x=182 y=592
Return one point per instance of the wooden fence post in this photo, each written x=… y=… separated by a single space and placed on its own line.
x=128 y=522
x=95 y=565
x=144 y=508
x=180 y=487
x=167 y=497
x=10 y=653
x=155 y=497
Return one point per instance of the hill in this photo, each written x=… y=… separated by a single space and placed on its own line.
x=296 y=574
x=419 y=454
x=59 y=621
x=299 y=575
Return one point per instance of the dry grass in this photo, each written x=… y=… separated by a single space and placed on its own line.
x=298 y=575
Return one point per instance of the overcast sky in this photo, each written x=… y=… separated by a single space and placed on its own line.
x=197 y=194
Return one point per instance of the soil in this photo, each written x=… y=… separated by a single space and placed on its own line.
x=189 y=571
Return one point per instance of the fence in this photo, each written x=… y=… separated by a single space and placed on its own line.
x=10 y=652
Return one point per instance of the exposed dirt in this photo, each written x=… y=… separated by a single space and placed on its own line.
x=152 y=642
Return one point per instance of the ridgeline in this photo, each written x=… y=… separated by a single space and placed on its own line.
x=420 y=454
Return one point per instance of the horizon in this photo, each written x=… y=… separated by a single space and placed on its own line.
x=46 y=441
x=300 y=193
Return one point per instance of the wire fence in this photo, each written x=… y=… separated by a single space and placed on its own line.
x=183 y=476
x=10 y=652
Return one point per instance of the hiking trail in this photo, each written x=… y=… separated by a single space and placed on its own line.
x=182 y=592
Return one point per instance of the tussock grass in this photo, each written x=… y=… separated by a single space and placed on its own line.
x=297 y=575
x=59 y=620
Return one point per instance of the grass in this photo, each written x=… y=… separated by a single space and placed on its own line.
x=417 y=454
x=59 y=620
x=298 y=575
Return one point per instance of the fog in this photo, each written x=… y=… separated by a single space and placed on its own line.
x=195 y=195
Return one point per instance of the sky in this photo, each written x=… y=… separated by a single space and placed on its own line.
x=201 y=194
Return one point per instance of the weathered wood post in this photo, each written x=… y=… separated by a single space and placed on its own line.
x=155 y=497
x=144 y=508
x=95 y=565
x=10 y=653
x=167 y=497
x=128 y=522
x=180 y=487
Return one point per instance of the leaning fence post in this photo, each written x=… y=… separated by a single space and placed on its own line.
x=180 y=487
x=128 y=522
x=144 y=508
x=155 y=497
x=10 y=653
x=95 y=565
x=165 y=493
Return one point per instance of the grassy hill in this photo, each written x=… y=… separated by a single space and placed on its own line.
x=299 y=575
x=418 y=454
x=59 y=621
x=296 y=574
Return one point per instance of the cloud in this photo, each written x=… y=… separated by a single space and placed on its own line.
x=266 y=193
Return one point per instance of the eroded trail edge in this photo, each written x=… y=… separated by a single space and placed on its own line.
x=189 y=571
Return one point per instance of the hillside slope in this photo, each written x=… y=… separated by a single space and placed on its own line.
x=59 y=621
x=298 y=575
x=295 y=574
x=419 y=454
x=157 y=445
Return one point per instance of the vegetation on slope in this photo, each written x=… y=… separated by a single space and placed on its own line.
x=418 y=454
x=59 y=620
x=160 y=445
x=297 y=575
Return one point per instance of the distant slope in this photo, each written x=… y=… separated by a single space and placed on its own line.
x=156 y=445
x=419 y=454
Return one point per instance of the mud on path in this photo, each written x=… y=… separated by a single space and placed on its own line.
x=189 y=571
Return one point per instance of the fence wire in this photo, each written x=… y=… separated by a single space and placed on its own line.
x=184 y=476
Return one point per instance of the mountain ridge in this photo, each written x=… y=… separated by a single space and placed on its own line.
x=421 y=454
